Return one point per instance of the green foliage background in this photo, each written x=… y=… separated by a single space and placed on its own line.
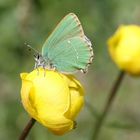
x=31 y=21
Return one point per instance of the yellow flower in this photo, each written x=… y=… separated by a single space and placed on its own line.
x=124 y=48
x=54 y=100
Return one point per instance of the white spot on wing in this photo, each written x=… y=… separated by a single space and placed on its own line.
x=76 y=53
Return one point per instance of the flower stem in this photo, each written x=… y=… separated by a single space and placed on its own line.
x=110 y=100
x=27 y=129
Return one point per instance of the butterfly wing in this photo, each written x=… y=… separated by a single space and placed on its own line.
x=72 y=54
x=67 y=47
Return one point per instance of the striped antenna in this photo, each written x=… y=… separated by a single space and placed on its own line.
x=29 y=46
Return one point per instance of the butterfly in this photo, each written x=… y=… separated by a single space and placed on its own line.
x=67 y=49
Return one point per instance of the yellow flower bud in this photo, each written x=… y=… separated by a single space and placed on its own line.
x=124 y=48
x=52 y=99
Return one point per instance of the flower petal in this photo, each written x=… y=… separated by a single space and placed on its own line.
x=76 y=98
x=124 y=48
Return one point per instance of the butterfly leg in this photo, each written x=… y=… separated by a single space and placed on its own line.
x=37 y=71
x=36 y=67
x=53 y=68
x=44 y=67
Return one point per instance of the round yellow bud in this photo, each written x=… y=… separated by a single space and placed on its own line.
x=51 y=98
x=124 y=48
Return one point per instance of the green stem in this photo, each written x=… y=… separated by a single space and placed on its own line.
x=27 y=129
x=111 y=98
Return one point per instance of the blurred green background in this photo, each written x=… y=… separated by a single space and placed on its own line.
x=31 y=21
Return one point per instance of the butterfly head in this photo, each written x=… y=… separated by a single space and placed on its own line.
x=37 y=57
x=39 y=60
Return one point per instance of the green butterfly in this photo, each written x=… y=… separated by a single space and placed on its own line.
x=67 y=49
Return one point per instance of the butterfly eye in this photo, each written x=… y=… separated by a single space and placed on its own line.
x=38 y=56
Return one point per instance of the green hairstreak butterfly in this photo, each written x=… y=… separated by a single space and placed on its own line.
x=67 y=49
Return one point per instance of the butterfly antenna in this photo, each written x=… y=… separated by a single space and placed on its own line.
x=30 y=47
